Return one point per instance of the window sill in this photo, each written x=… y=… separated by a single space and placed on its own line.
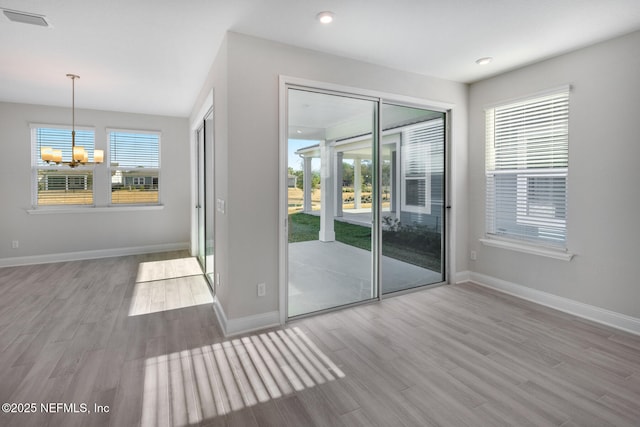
x=529 y=249
x=92 y=209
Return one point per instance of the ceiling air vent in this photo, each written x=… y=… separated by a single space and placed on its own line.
x=25 y=17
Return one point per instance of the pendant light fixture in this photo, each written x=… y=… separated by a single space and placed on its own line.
x=78 y=154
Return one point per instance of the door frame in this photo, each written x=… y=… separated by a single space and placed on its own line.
x=197 y=122
x=201 y=188
x=286 y=82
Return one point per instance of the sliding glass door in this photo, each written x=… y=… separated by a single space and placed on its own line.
x=330 y=200
x=206 y=197
x=365 y=199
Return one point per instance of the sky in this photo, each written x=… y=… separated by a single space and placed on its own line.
x=294 y=160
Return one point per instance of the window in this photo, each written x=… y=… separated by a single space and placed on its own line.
x=527 y=159
x=138 y=180
x=134 y=158
x=55 y=185
x=420 y=164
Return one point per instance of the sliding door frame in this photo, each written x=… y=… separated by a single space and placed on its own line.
x=286 y=83
x=197 y=124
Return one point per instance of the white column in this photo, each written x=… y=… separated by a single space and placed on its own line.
x=306 y=187
x=357 y=183
x=327 y=197
x=338 y=175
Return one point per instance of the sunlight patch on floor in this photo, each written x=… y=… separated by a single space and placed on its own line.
x=168 y=269
x=187 y=387
x=169 y=285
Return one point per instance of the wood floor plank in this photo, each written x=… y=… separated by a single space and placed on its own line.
x=511 y=401
x=294 y=413
x=41 y=369
x=267 y=414
x=357 y=418
x=582 y=412
x=242 y=418
x=319 y=408
x=79 y=389
x=128 y=400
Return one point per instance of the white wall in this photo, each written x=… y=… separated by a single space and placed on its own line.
x=603 y=198
x=254 y=66
x=42 y=235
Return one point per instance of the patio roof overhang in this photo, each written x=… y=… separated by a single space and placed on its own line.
x=353 y=148
x=314 y=117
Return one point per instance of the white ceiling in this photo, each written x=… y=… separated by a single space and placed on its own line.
x=152 y=56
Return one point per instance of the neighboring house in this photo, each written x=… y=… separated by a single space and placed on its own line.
x=292 y=181
x=138 y=181
x=134 y=179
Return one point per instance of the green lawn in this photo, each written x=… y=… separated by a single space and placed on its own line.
x=305 y=227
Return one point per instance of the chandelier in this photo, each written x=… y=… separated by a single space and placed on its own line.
x=79 y=156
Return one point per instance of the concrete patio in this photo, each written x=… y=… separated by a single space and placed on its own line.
x=328 y=274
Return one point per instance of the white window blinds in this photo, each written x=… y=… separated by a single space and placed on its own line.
x=422 y=151
x=527 y=160
x=61 y=185
x=135 y=166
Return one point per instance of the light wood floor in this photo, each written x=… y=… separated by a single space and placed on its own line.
x=456 y=355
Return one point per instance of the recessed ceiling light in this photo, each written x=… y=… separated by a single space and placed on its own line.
x=325 y=17
x=25 y=17
x=484 y=61
x=298 y=131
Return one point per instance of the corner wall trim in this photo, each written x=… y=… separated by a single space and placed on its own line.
x=461 y=277
x=222 y=318
x=93 y=254
x=586 y=311
x=241 y=325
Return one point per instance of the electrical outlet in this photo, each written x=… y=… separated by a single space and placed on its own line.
x=473 y=256
x=15 y=244
x=262 y=289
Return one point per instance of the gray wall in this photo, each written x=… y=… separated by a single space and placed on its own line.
x=252 y=168
x=603 y=201
x=53 y=234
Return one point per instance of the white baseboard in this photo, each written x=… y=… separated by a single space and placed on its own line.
x=462 y=276
x=246 y=324
x=93 y=254
x=586 y=311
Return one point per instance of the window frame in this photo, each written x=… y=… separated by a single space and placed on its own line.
x=157 y=170
x=35 y=168
x=522 y=173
